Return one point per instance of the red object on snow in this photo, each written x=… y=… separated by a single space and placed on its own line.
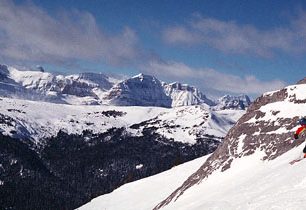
x=300 y=129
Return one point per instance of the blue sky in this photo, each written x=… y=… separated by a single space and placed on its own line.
x=219 y=46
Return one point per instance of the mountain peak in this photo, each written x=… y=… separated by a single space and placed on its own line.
x=140 y=90
x=98 y=88
x=144 y=78
x=233 y=102
x=302 y=81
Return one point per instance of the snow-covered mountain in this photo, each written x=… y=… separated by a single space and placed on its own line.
x=97 y=88
x=84 y=88
x=72 y=152
x=140 y=90
x=257 y=145
x=185 y=95
x=240 y=102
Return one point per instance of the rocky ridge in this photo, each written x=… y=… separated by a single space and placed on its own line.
x=267 y=126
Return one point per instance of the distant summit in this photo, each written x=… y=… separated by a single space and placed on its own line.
x=233 y=102
x=140 y=90
x=185 y=95
x=97 y=88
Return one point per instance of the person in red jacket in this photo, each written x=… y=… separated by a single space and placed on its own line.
x=301 y=129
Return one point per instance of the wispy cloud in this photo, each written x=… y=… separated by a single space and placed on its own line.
x=231 y=37
x=29 y=33
x=208 y=78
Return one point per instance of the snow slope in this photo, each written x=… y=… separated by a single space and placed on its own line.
x=43 y=119
x=144 y=194
x=250 y=184
x=39 y=120
x=252 y=151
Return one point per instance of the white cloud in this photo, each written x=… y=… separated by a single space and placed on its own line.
x=231 y=37
x=29 y=33
x=208 y=78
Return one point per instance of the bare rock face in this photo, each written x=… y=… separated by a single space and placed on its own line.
x=267 y=126
x=3 y=71
x=302 y=81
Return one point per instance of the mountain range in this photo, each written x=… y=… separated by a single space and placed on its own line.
x=67 y=139
x=98 y=88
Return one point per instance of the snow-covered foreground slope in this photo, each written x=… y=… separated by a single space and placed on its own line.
x=250 y=184
x=267 y=126
x=144 y=194
x=251 y=165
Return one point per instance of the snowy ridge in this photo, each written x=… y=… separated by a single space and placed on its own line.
x=39 y=120
x=263 y=133
x=84 y=88
x=97 y=88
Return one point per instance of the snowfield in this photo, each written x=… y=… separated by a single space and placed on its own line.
x=37 y=120
x=144 y=194
x=250 y=184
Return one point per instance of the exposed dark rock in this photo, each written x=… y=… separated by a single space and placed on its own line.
x=302 y=81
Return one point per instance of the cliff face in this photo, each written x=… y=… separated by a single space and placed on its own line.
x=141 y=90
x=185 y=95
x=267 y=126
